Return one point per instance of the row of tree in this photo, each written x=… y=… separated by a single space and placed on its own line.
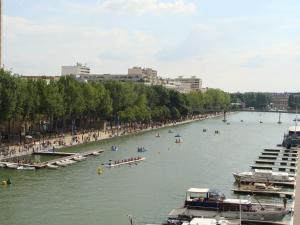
x=67 y=104
x=252 y=99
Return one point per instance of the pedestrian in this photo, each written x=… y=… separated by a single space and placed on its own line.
x=284 y=202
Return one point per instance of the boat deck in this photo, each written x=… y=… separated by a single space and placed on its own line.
x=276 y=162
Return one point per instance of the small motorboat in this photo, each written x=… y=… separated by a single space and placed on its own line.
x=70 y=161
x=259 y=187
x=157 y=135
x=61 y=163
x=141 y=149
x=204 y=130
x=170 y=131
x=51 y=166
x=26 y=168
x=12 y=165
x=114 y=148
x=79 y=158
x=177 y=135
x=217 y=132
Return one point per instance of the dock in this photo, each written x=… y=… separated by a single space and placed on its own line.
x=65 y=156
x=279 y=154
x=262 y=192
x=282 y=150
x=280 y=168
x=273 y=162
x=278 y=157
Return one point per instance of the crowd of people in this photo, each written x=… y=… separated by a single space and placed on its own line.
x=84 y=136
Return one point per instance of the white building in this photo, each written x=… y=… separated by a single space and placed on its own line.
x=189 y=84
x=78 y=69
x=107 y=77
x=149 y=75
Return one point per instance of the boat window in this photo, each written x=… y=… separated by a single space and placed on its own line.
x=197 y=196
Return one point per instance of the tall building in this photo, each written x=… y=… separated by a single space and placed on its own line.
x=78 y=69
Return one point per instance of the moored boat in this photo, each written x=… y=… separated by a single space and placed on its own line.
x=292 y=137
x=79 y=158
x=61 y=163
x=202 y=221
x=210 y=203
x=2 y=165
x=12 y=165
x=259 y=187
x=141 y=149
x=263 y=176
x=51 y=166
x=26 y=168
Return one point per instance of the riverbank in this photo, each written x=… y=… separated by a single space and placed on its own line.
x=67 y=140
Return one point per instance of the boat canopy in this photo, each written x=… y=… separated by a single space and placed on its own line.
x=198 y=190
x=237 y=201
x=294 y=128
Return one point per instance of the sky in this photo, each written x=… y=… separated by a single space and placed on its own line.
x=234 y=45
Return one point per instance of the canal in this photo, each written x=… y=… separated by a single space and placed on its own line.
x=77 y=195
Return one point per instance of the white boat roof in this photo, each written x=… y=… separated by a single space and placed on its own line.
x=237 y=201
x=294 y=128
x=203 y=221
x=198 y=190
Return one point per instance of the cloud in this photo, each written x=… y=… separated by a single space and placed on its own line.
x=32 y=48
x=138 y=7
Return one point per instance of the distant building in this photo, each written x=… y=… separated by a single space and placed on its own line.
x=189 y=84
x=280 y=101
x=148 y=75
x=107 y=77
x=45 y=78
x=78 y=69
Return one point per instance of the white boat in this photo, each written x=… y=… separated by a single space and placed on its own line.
x=26 y=168
x=95 y=153
x=263 y=176
x=111 y=165
x=79 y=158
x=208 y=221
x=12 y=165
x=51 y=166
x=204 y=202
x=61 y=163
x=70 y=161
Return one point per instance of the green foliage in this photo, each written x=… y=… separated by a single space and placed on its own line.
x=252 y=99
x=67 y=100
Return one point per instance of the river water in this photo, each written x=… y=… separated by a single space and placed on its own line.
x=77 y=195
